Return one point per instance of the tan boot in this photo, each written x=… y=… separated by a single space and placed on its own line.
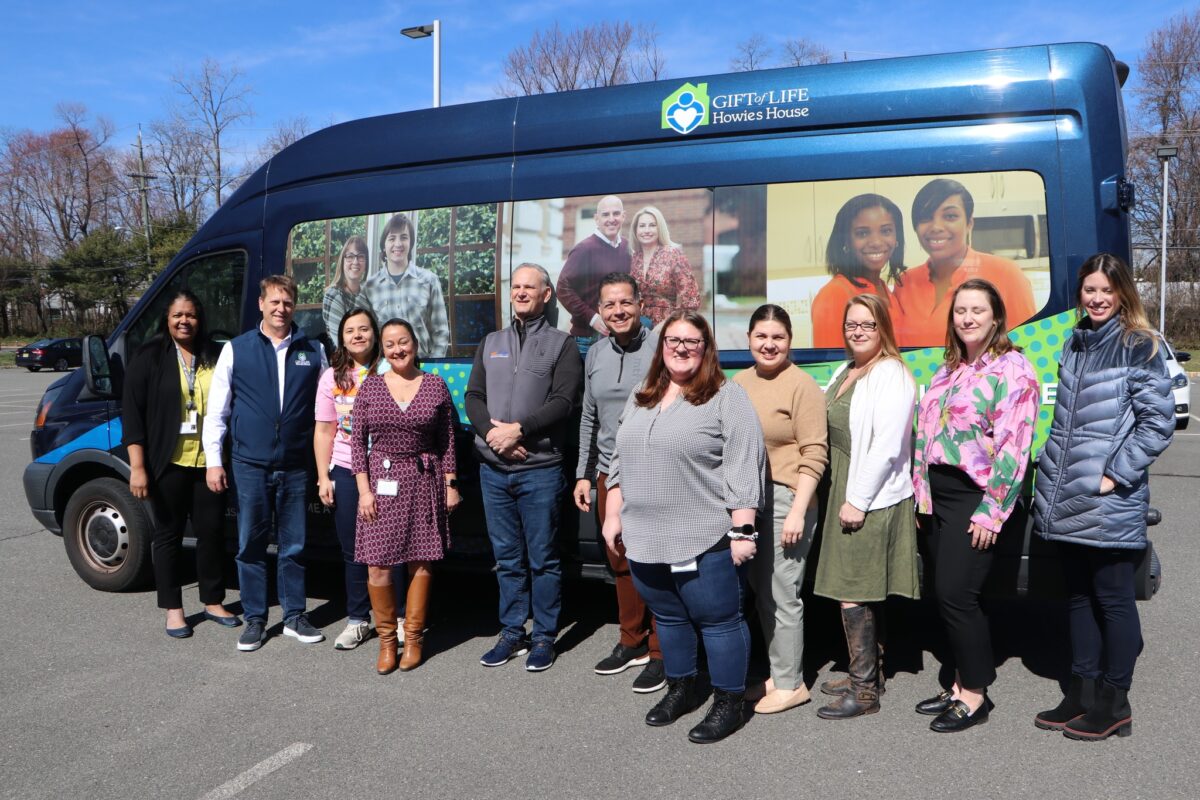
x=414 y=619
x=383 y=605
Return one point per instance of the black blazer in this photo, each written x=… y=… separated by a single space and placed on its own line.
x=151 y=404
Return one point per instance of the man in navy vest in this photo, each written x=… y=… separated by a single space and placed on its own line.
x=264 y=387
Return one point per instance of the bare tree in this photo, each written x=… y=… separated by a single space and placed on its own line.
x=178 y=155
x=216 y=98
x=602 y=54
x=751 y=53
x=649 y=62
x=285 y=132
x=65 y=178
x=1168 y=113
x=801 y=52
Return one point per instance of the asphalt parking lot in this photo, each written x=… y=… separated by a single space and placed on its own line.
x=96 y=702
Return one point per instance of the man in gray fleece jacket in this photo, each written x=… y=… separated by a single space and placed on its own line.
x=614 y=369
x=522 y=390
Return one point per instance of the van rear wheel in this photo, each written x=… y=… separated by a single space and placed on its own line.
x=107 y=535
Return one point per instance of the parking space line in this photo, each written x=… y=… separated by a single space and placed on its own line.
x=259 y=771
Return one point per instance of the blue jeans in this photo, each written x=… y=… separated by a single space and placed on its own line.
x=709 y=600
x=1106 y=633
x=522 y=518
x=345 y=522
x=584 y=343
x=265 y=497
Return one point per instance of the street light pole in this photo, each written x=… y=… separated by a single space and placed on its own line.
x=423 y=32
x=1165 y=154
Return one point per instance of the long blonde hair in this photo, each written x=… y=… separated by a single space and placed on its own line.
x=883 y=323
x=1134 y=321
x=664 y=235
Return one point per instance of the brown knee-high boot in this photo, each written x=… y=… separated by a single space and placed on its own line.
x=383 y=605
x=863 y=697
x=414 y=619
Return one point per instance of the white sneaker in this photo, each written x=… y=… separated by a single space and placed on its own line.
x=355 y=634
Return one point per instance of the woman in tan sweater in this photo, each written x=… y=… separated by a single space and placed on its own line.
x=791 y=410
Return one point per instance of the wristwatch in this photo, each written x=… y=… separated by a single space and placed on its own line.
x=452 y=483
x=743 y=533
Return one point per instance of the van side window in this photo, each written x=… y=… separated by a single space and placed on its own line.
x=437 y=268
x=216 y=279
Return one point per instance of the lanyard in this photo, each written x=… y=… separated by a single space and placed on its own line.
x=189 y=373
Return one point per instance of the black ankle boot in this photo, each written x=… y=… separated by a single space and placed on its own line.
x=1108 y=715
x=1081 y=695
x=684 y=695
x=722 y=719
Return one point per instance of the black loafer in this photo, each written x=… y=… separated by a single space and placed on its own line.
x=229 y=622
x=958 y=718
x=936 y=705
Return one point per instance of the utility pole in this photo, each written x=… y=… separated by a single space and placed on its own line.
x=144 y=190
x=1165 y=154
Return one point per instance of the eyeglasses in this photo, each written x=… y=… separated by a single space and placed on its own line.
x=867 y=327
x=355 y=257
x=675 y=342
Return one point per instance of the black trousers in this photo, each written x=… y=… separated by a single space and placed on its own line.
x=1106 y=633
x=959 y=575
x=178 y=495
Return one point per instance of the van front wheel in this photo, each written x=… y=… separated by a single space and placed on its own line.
x=107 y=535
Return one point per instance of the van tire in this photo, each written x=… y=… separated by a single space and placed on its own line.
x=107 y=533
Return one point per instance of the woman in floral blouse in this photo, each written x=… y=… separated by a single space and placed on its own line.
x=974 y=431
x=660 y=268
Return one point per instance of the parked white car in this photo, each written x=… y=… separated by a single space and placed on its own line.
x=1179 y=385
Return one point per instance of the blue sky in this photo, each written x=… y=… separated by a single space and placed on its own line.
x=336 y=61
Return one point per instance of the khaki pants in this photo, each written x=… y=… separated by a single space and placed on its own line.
x=775 y=575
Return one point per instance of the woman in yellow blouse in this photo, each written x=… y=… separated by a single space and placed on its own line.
x=166 y=386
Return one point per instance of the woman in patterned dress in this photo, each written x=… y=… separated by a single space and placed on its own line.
x=406 y=486
x=974 y=431
x=660 y=268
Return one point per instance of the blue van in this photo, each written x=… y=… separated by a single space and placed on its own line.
x=744 y=174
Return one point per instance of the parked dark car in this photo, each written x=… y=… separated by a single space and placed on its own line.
x=61 y=354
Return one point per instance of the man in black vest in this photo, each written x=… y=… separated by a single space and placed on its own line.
x=264 y=387
x=523 y=386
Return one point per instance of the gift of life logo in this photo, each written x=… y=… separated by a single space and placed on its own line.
x=686 y=108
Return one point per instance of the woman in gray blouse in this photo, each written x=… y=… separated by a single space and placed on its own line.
x=684 y=485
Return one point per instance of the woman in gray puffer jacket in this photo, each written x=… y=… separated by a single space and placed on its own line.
x=1112 y=417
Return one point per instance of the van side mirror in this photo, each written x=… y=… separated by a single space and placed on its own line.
x=1182 y=355
x=97 y=367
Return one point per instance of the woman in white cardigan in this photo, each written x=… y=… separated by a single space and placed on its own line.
x=868 y=536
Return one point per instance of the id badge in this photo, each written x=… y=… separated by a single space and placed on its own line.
x=190 y=424
x=685 y=566
x=387 y=488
